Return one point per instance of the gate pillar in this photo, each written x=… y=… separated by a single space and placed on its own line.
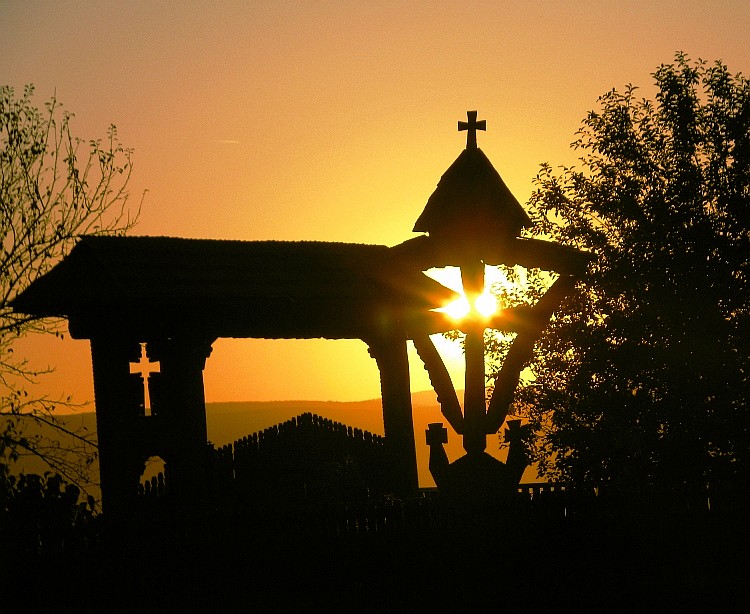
x=179 y=410
x=398 y=422
x=118 y=396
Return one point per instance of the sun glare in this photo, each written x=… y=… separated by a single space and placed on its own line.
x=485 y=304
x=458 y=309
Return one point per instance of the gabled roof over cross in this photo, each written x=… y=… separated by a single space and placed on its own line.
x=471 y=200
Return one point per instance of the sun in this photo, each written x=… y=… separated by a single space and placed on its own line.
x=451 y=349
x=458 y=309
x=485 y=304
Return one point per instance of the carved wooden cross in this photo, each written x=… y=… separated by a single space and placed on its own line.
x=471 y=127
x=145 y=367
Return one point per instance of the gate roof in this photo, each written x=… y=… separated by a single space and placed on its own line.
x=149 y=287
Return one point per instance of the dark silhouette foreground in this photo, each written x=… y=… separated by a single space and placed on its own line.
x=357 y=545
x=559 y=550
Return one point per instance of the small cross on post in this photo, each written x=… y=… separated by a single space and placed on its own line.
x=471 y=127
x=144 y=368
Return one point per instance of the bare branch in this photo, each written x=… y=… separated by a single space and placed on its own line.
x=54 y=187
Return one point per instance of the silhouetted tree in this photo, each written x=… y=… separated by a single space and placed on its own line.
x=53 y=188
x=642 y=377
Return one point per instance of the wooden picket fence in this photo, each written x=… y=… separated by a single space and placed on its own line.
x=317 y=474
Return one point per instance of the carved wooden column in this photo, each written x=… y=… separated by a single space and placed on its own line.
x=475 y=438
x=179 y=409
x=398 y=423
x=118 y=396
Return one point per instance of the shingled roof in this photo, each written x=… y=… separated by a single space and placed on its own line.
x=472 y=200
x=165 y=285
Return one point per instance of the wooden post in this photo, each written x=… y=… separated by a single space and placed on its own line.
x=118 y=396
x=475 y=437
x=179 y=406
x=475 y=408
x=398 y=422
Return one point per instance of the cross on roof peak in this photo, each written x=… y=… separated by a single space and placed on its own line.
x=471 y=127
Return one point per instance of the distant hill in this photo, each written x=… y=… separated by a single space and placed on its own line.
x=228 y=422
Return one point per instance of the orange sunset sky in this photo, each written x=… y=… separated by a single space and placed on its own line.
x=331 y=121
